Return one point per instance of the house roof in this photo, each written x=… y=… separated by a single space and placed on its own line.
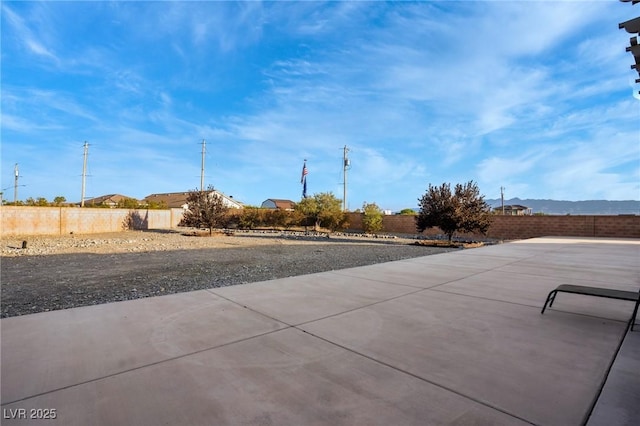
x=281 y=204
x=170 y=199
x=109 y=199
x=179 y=199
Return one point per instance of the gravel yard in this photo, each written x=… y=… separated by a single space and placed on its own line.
x=54 y=273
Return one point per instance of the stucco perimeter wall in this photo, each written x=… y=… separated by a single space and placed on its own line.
x=520 y=227
x=30 y=220
x=19 y=220
x=516 y=227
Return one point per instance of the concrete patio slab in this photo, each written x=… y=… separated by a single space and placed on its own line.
x=62 y=348
x=511 y=359
x=598 y=277
x=406 y=272
x=449 y=339
x=532 y=291
x=618 y=403
x=297 y=300
x=461 y=259
x=283 y=378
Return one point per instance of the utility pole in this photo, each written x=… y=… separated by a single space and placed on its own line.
x=16 y=174
x=502 y=198
x=204 y=149
x=632 y=26
x=346 y=164
x=84 y=171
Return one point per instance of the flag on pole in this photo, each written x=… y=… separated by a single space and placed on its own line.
x=303 y=179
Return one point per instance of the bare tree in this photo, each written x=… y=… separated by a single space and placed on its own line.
x=462 y=210
x=206 y=209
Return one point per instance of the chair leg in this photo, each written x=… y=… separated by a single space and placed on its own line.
x=635 y=312
x=550 y=298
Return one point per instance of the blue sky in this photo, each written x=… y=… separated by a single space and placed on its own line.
x=535 y=97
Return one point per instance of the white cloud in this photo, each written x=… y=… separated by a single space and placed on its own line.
x=39 y=49
x=23 y=125
x=29 y=39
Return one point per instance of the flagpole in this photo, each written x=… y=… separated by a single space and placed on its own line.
x=303 y=179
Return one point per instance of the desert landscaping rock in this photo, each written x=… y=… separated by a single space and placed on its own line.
x=63 y=272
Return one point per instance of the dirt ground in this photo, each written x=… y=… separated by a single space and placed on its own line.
x=54 y=273
x=142 y=241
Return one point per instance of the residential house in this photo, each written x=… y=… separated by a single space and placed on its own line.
x=513 y=210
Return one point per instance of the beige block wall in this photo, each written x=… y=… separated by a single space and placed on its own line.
x=21 y=220
x=30 y=220
x=92 y=221
x=520 y=227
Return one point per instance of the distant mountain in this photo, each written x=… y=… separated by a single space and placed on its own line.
x=590 y=207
